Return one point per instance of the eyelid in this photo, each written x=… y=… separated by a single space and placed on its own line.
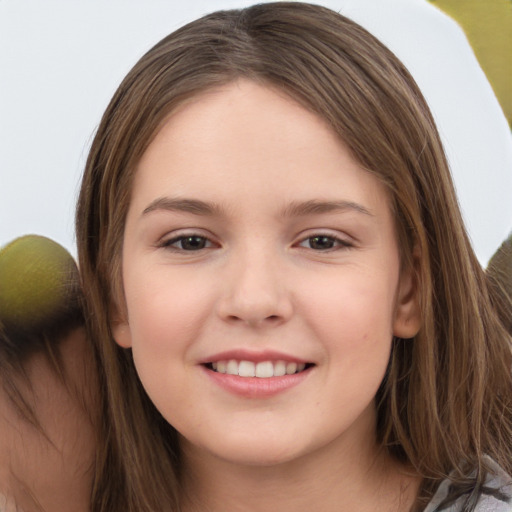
x=344 y=241
x=168 y=239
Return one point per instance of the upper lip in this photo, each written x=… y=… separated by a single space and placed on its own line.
x=254 y=356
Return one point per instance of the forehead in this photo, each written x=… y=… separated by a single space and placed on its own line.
x=249 y=137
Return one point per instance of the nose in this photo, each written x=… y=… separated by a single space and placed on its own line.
x=254 y=291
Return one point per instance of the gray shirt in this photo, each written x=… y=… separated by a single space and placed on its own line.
x=497 y=480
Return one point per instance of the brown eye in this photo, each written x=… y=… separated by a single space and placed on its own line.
x=321 y=243
x=324 y=243
x=193 y=243
x=188 y=243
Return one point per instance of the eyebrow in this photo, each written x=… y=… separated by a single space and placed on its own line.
x=297 y=209
x=183 y=205
x=294 y=209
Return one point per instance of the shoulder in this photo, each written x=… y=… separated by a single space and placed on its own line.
x=496 y=496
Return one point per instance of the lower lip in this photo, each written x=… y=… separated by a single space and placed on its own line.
x=256 y=387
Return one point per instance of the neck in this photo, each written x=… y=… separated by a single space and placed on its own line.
x=336 y=477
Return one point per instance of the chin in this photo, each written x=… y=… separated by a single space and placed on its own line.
x=258 y=458
x=248 y=450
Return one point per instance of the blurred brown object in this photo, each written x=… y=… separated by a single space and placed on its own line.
x=499 y=272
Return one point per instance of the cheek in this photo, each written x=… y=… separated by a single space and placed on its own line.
x=165 y=312
x=166 y=315
x=353 y=320
x=353 y=314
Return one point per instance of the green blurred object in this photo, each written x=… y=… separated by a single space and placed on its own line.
x=39 y=290
x=488 y=27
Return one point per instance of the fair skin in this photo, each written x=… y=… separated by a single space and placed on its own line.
x=51 y=467
x=253 y=235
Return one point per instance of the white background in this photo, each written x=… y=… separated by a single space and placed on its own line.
x=61 y=61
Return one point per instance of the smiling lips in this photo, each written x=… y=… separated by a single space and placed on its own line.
x=256 y=375
x=262 y=369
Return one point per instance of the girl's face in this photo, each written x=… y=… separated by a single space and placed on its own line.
x=262 y=280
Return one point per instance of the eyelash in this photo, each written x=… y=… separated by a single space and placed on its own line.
x=205 y=243
x=169 y=244
x=338 y=243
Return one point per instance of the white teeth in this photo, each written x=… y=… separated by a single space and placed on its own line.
x=246 y=369
x=262 y=370
x=265 y=369
x=291 y=368
x=232 y=367
x=279 y=368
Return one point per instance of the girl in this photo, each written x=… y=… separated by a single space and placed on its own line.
x=284 y=302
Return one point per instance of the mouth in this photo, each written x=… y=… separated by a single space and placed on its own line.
x=260 y=370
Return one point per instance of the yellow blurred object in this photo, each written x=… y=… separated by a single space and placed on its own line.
x=38 y=281
x=488 y=27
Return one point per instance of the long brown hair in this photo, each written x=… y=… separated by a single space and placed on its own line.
x=446 y=398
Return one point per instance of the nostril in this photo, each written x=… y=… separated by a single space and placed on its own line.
x=254 y=320
x=234 y=318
